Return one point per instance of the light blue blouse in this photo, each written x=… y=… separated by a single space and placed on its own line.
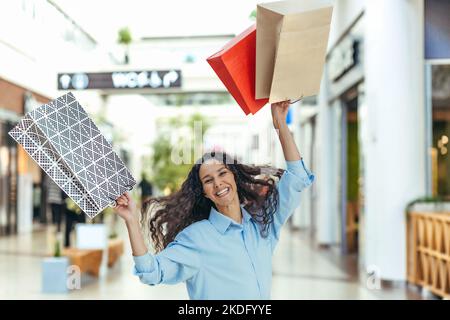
x=221 y=259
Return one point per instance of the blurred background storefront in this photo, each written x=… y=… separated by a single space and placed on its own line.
x=20 y=176
x=381 y=127
x=28 y=68
x=437 y=75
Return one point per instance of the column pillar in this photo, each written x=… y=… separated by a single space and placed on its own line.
x=395 y=159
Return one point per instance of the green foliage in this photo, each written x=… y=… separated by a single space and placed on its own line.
x=113 y=235
x=252 y=15
x=72 y=206
x=166 y=173
x=124 y=36
x=352 y=161
x=426 y=199
x=197 y=117
x=442 y=128
x=57 y=252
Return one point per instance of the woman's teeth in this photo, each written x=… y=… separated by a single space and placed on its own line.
x=222 y=192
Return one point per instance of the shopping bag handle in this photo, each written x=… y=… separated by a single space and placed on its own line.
x=301 y=97
x=113 y=203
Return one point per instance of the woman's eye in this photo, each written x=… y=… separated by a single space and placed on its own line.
x=222 y=173
x=208 y=181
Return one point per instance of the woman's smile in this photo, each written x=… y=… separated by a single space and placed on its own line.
x=223 y=192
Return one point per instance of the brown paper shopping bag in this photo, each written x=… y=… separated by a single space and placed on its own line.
x=291 y=43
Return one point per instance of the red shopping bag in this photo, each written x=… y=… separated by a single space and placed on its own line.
x=235 y=64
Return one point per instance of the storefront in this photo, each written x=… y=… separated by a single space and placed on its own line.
x=20 y=177
x=8 y=179
x=384 y=127
x=346 y=95
x=437 y=72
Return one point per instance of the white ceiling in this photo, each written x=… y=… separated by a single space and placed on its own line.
x=148 y=18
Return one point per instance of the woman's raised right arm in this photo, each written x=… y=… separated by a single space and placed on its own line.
x=178 y=262
x=126 y=209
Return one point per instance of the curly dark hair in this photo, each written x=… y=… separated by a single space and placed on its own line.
x=165 y=217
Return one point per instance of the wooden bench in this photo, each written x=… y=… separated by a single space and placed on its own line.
x=115 y=250
x=90 y=260
x=428 y=251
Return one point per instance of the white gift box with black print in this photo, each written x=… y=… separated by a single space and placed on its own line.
x=69 y=147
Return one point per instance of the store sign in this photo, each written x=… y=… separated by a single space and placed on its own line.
x=157 y=79
x=343 y=58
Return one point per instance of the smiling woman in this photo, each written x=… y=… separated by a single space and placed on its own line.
x=219 y=231
x=217 y=181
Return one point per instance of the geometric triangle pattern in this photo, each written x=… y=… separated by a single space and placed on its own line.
x=69 y=147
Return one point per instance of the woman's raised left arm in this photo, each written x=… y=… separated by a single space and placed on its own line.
x=279 y=113
x=296 y=177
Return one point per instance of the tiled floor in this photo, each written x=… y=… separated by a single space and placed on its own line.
x=300 y=272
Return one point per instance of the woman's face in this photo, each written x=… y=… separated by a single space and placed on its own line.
x=218 y=183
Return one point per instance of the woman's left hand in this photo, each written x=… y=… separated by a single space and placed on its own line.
x=279 y=113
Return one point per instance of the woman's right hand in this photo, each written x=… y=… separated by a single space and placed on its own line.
x=126 y=208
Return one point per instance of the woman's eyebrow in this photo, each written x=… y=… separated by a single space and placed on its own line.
x=207 y=176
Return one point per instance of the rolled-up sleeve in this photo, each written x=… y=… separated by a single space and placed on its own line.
x=178 y=262
x=295 y=179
